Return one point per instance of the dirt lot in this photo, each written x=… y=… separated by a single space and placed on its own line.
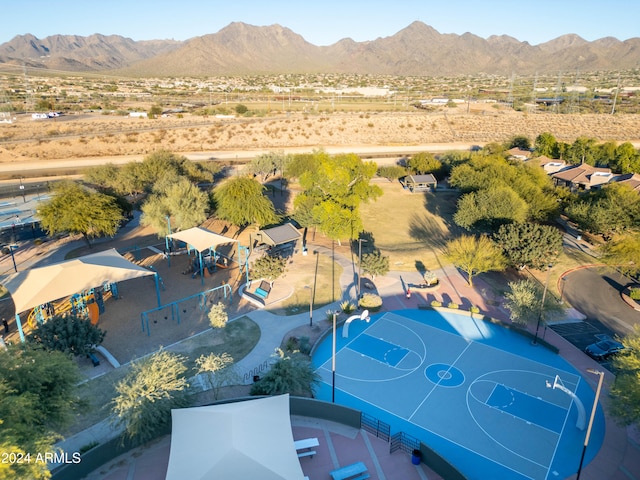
x=93 y=135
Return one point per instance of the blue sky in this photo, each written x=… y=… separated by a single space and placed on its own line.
x=324 y=22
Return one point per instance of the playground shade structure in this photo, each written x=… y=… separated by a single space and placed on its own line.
x=247 y=439
x=201 y=239
x=38 y=286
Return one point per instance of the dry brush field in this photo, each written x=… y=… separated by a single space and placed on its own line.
x=93 y=135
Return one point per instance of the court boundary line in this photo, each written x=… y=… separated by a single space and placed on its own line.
x=379 y=361
x=537 y=398
x=491 y=460
x=491 y=346
x=447 y=439
x=555 y=450
x=558 y=435
x=435 y=385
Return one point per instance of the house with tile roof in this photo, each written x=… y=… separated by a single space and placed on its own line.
x=582 y=177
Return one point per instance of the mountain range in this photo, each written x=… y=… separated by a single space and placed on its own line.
x=242 y=49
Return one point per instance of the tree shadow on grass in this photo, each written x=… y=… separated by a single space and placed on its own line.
x=427 y=229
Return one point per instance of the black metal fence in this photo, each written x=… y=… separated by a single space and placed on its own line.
x=375 y=427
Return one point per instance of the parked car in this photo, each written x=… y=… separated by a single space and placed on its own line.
x=603 y=349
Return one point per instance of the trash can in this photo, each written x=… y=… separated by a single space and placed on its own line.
x=416 y=457
x=256 y=378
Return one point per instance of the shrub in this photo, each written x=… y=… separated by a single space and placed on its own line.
x=436 y=303
x=291 y=345
x=370 y=301
x=304 y=345
x=474 y=309
x=347 y=306
x=634 y=293
x=218 y=316
x=431 y=278
x=452 y=305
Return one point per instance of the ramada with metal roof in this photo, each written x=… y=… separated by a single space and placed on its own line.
x=419 y=183
x=277 y=236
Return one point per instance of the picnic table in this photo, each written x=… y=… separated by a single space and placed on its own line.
x=304 y=447
x=355 y=471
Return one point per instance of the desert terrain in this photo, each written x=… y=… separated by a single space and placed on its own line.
x=77 y=138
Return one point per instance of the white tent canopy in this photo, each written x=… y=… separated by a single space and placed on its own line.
x=200 y=238
x=38 y=286
x=243 y=440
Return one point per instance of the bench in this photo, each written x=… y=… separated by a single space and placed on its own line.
x=263 y=290
x=307 y=453
x=94 y=359
x=355 y=471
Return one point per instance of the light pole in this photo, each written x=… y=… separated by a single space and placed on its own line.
x=333 y=360
x=310 y=305
x=544 y=296
x=593 y=414
x=360 y=240
x=13 y=259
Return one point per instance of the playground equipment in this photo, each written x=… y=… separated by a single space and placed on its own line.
x=175 y=306
x=89 y=304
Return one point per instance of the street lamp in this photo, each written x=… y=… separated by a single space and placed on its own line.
x=593 y=414
x=333 y=360
x=360 y=240
x=310 y=305
x=544 y=296
x=13 y=259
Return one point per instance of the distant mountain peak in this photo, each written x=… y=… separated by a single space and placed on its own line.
x=241 y=48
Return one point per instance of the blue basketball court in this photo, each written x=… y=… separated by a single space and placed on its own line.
x=472 y=390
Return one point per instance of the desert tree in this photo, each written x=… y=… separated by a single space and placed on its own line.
x=38 y=391
x=266 y=164
x=609 y=211
x=269 y=267
x=487 y=209
x=529 y=244
x=545 y=144
x=218 y=371
x=68 y=334
x=519 y=141
x=524 y=302
x=291 y=374
x=582 y=150
x=375 y=264
x=334 y=191
x=177 y=199
x=391 y=172
x=74 y=209
x=145 y=397
x=623 y=252
x=625 y=391
x=424 y=162
x=241 y=201
x=474 y=255
x=626 y=159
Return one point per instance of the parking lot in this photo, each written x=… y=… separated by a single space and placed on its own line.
x=596 y=293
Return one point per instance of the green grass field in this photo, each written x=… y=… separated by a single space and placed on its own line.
x=411 y=227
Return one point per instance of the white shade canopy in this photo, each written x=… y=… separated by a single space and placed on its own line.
x=242 y=440
x=200 y=238
x=38 y=286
